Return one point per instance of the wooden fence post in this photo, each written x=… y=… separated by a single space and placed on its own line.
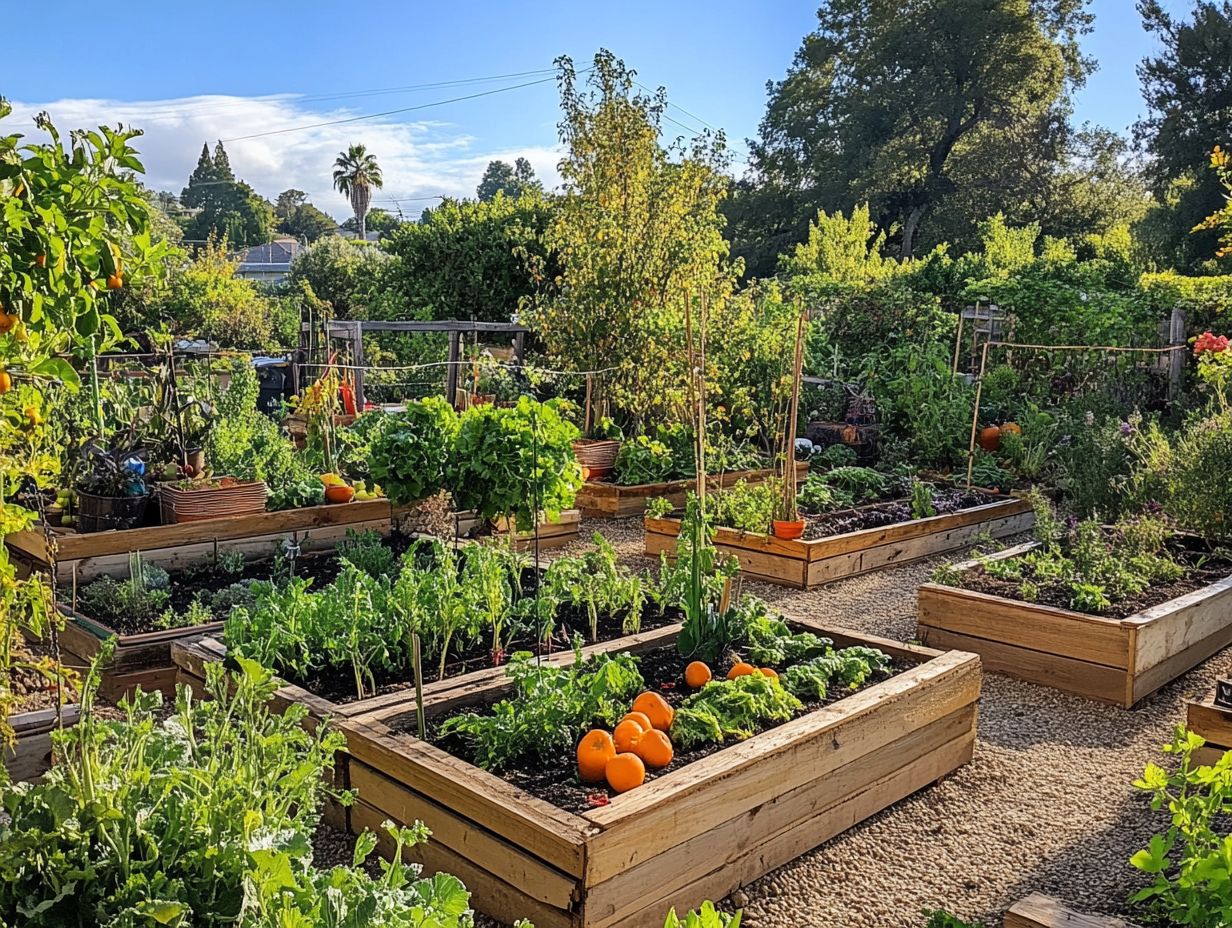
x=1176 y=359
x=451 y=376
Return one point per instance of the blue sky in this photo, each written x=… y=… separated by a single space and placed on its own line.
x=189 y=73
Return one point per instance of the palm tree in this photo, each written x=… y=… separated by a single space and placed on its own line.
x=355 y=174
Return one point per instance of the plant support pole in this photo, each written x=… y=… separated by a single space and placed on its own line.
x=417 y=661
x=975 y=413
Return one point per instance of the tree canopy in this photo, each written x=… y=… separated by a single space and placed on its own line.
x=511 y=180
x=226 y=208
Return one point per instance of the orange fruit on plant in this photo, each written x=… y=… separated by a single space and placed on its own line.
x=1011 y=428
x=641 y=718
x=655 y=749
x=6 y=382
x=593 y=752
x=40 y=260
x=626 y=734
x=625 y=771
x=656 y=709
x=697 y=674
x=769 y=672
x=990 y=438
x=740 y=669
x=114 y=282
x=8 y=322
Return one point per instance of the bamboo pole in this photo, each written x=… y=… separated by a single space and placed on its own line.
x=417 y=665
x=789 y=457
x=975 y=412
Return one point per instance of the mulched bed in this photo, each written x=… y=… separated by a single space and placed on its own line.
x=879 y=515
x=663 y=671
x=1058 y=595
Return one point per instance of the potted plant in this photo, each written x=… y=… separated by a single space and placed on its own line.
x=786 y=523
x=597 y=454
x=111 y=488
x=194 y=499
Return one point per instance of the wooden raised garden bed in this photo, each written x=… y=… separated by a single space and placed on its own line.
x=601 y=500
x=1118 y=661
x=1040 y=911
x=1212 y=722
x=170 y=546
x=695 y=832
x=32 y=756
x=553 y=533
x=808 y=563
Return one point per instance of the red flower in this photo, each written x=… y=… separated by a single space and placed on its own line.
x=1210 y=342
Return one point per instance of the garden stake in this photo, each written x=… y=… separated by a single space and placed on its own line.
x=417 y=666
x=975 y=413
x=789 y=453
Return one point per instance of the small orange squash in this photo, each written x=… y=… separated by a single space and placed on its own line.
x=593 y=753
x=990 y=438
x=624 y=772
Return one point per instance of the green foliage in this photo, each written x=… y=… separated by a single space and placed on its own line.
x=245 y=443
x=203 y=818
x=132 y=600
x=552 y=707
x=743 y=507
x=1188 y=864
x=367 y=552
x=841 y=250
x=296 y=216
x=510 y=461
x=920 y=399
x=939 y=919
x=698 y=582
x=469 y=260
x=847 y=669
x=859 y=319
x=594 y=582
x=768 y=641
x=503 y=179
x=1200 y=484
x=296 y=494
x=638 y=228
x=206 y=300
x=655 y=459
x=412 y=453
x=736 y=708
x=706 y=916
x=922 y=500
x=659 y=507
x=350 y=276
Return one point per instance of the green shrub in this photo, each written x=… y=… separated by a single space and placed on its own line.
x=412 y=453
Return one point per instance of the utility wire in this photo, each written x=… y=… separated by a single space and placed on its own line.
x=405 y=109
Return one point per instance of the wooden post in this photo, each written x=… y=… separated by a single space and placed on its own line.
x=357 y=359
x=451 y=375
x=417 y=666
x=958 y=341
x=1176 y=359
x=789 y=460
x=519 y=348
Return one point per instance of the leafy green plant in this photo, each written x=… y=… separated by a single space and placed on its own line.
x=922 y=500
x=705 y=916
x=985 y=472
x=550 y=710
x=244 y=442
x=204 y=818
x=594 y=582
x=836 y=456
x=818 y=496
x=659 y=507
x=368 y=552
x=743 y=507
x=412 y=453
x=698 y=582
x=644 y=460
x=736 y=708
x=1189 y=862
x=296 y=494
x=848 y=668
x=939 y=919
x=508 y=461
x=140 y=598
x=768 y=641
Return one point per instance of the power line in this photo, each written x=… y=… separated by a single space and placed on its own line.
x=405 y=109
x=299 y=98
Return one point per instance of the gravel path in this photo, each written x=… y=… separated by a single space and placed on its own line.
x=1047 y=805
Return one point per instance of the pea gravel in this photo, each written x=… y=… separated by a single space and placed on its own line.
x=1047 y=804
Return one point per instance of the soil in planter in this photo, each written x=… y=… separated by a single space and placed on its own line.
x=206 y=577
x=1059 y=595
x=663 y=671
x=33 y=690
x=337 y=684
x=878 y=515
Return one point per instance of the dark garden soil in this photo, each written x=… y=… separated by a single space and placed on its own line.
x=879 y=515
x=35 y=690
x=558 y=783
x=1059 y=595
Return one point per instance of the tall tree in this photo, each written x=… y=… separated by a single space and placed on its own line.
x=638 y=230
x=887 y=96
x=511 y=180
x=224 y=207
x=296 y=216
x=1188 y=92
x=356 y=173
x=376 y=220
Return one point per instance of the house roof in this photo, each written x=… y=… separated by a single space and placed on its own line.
x=272 y=254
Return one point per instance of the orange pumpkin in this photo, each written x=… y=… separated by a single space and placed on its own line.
x=740 y=669
x=990 y=438
x=624 y=772
x=655 y=749
x=656 y=709
x=697 y=674
x=1011 y=428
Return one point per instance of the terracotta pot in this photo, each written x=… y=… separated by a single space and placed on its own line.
x=339 y=494
x=788 y=530
x=194 y=459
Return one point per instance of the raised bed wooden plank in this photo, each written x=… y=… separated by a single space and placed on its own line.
x=708 y=827
x=1212 y=722
x=503 y=902
x=71 y=546
x=1120 y=661
x=31 y=757
x=805 y=564
x=601 y=500
x=1040 y=911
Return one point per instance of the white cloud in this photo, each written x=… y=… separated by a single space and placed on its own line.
x=420 y=160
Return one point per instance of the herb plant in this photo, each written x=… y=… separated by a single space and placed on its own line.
x=412 y=451
x=698 y=582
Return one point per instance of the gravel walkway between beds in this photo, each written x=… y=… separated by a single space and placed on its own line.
x=1047 y=805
